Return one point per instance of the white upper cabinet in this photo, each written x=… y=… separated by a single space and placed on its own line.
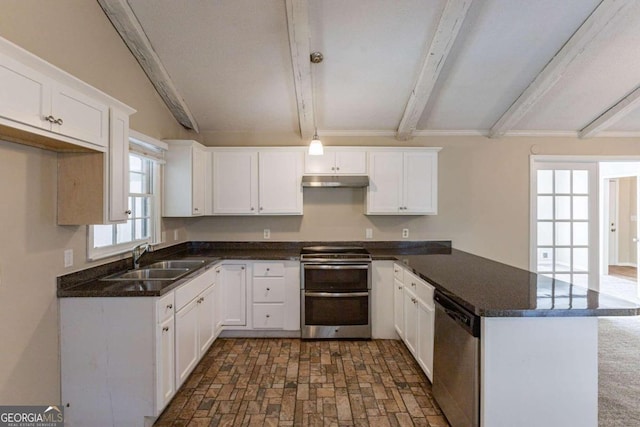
x=280 y=174
x=235 y=182
x=79 y=116
x=184 y=183
x=403 y=182
x=252 y=182
x=37 y=98
x=337 y=162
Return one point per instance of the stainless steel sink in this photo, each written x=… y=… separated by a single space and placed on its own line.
x=178 y=263
x=150 y=274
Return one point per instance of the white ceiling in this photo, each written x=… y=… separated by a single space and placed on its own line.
x=231 y=62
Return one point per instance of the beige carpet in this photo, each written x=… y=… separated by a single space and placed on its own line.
x=619 y=372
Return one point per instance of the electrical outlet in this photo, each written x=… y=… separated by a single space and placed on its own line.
x=175 y=235
x=369 y=233
x=405 y=233
x=267 y=233
x=68 y=258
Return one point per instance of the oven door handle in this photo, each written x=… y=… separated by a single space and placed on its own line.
x=336 y=294
x=336 y=266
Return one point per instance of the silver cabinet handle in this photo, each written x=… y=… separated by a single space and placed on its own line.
x=165 y=329
x=170 y=306
x=128 y=211
x=50 y=119
x=413 y=284
x=58 y=121
x=399 y=287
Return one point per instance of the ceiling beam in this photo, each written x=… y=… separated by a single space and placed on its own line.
x=576 y=47
x=612 y=115
x=298 y=25
x=127 y=25
x=449 y=26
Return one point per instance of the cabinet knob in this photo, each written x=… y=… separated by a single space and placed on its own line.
x=50 y=119
x=268 y=315
x=252 y=208
x=169 y=306
x=165 y=329
x=58 y=121
x=333 y=168
x=337 y=168
x=268 y=289
x=128 y=211
x=399 y=287
x=195 y=209
x=268 y=268
x=413 y=284
x=242 y=268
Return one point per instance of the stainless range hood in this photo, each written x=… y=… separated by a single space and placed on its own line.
x=333 y=181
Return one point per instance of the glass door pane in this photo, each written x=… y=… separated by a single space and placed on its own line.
x=564 y=229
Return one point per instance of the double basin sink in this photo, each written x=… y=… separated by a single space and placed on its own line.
x=155 y=276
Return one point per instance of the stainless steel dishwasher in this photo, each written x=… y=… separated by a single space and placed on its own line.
x=456 y=362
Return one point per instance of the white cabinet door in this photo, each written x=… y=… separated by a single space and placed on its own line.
x=165 y=363
x=425 y=322
x=280 y=182
x=324 y=164
x=198 y=185
x=25 y=95
x=403 y=182
x=398 y=307
x=184 y=179
x=420 y=182
x=384 y=194
x=119 y=167
x=235 y=182
x=351 y=162
x=410 y=320
x=206 y=319
x=234 y=290
x=187 y=350
x=79 y=116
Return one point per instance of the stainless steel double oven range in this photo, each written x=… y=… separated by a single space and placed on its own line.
x=335 y=295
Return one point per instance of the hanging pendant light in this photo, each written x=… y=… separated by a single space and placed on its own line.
x=315 y=147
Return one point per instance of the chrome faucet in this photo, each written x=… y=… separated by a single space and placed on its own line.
x=137 y=252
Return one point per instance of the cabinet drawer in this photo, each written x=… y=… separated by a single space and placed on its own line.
x=398 y=272
x=422 y=289
x=268 y=269
x=190 y=290
x=268 y=316
x=268 y=289
x=165 y=307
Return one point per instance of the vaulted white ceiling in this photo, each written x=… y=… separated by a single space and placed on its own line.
x=489 y=67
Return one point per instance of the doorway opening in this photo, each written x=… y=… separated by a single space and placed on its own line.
x=619 y=229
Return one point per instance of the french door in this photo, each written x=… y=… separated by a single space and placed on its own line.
x=564 y=221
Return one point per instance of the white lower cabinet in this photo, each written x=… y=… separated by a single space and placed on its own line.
x=165 y=339
x=414 y=310
x=275 y=296
x=117 y=358
x=123 y=358
x=233 y=291
x=187 y=349
x=195 y=322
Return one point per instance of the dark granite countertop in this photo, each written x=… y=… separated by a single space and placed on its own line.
x=485 y=287
x=492 y=289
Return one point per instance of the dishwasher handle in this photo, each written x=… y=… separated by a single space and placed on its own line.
x=467 y=320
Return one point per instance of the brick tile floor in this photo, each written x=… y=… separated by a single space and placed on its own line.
x=289 y=382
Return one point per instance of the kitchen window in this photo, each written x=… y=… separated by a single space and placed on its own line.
x=143 y=224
